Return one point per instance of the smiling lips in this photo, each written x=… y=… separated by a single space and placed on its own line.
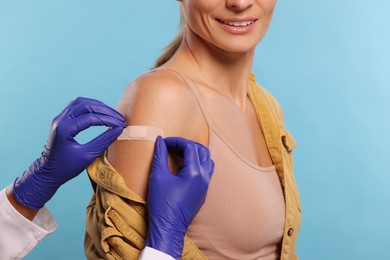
x=238 y=26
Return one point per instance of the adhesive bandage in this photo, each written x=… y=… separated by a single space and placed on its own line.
x=141 y=132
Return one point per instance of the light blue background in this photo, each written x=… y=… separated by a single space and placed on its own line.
x=327 y=62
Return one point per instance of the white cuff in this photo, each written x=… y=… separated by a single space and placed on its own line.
x=19 y=235
x=150 y=253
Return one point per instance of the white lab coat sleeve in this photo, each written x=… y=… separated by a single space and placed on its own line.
x=18 y=235
x=150 y=253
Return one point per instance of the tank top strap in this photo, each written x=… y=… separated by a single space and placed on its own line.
x=196 y=93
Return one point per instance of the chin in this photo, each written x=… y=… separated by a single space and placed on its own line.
x=237 y=44
x=241 y=49
x=238 y=47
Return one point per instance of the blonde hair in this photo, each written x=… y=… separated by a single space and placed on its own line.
x=171 y=49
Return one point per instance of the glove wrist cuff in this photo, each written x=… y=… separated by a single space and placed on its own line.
x=169 y=240
x=29 y=191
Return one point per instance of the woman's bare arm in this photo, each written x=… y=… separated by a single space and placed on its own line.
x=160 y=99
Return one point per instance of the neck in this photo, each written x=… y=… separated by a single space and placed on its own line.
x=206 y=63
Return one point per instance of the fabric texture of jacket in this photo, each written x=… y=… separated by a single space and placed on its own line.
x=117 y=220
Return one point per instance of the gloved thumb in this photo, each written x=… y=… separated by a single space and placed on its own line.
x=187 y=150
x=101 y=142
x=206 y=161
x=160 y=158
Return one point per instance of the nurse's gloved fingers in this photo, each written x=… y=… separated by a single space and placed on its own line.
x=77 y=101
x=71 y=103
x=160 y=158
x=179 y=145
x=86 y=105
x=204 y=152
x=188 y=151
x=205 y=160
x=100 y=143
x=184 y=148
x=209 y=166
x=73 y=126
x=80 y=100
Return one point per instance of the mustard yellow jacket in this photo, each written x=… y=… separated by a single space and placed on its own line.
x=117 y=219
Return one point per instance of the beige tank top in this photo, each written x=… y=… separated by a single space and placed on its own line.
x=244 y=212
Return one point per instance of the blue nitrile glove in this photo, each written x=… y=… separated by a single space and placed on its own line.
x=63 y=158
x=174 y=200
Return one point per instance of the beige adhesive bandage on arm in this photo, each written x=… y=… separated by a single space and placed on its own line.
x=140 y=133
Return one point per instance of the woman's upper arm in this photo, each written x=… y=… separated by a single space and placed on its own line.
x=156 y=100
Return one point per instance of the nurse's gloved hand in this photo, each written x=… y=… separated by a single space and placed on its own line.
x=174 y=200
x=63 y=158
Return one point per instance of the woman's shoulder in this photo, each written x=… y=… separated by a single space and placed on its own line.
x=160 y=85
x=160 y=98
x=161 y=75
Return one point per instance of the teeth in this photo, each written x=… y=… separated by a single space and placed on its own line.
x=239 y=24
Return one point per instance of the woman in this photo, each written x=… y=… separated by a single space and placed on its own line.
x=203 y=89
